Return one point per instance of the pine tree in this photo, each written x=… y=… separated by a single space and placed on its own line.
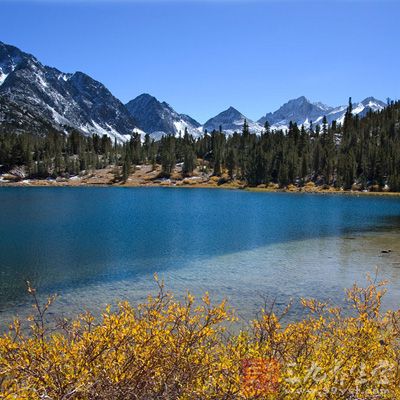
x=231 y=163
x=167 y=154
x=189 y=155
x=126 y=166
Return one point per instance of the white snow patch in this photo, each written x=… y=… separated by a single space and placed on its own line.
x=375 y=106
x=42 y=82
x=360 y=107
x=95 y=128
x=111 y=132
x=317 y=121
x=180 y=126
x=58 y=117
x=3 y=77
x=64 y=77
x=322 y=106
x=280 y=126
x=139 y=131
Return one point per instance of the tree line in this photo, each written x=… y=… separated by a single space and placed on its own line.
x=361 y=151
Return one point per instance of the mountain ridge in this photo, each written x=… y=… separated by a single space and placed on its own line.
x=304 y=112
x=66 y=101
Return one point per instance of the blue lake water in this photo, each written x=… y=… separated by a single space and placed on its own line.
x=95 y=246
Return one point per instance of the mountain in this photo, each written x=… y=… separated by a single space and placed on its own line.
x=159 y=118
x=231 y=120
x=15 y=119
x=38 y=98
x=65 y=100
x=299 y=110
x=303 y=112
x=362 y=108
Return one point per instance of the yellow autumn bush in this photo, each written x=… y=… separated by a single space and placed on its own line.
x=170 y=349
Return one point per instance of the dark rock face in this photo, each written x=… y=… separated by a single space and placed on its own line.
x=15 y=119
x=65 y=100
x=157 y=118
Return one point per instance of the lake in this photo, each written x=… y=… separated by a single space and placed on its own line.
x=95 y=246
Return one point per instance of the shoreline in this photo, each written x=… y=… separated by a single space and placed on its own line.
x=146 y=176
x=227 y=186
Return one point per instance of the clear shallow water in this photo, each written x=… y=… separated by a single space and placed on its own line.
x=95 y=246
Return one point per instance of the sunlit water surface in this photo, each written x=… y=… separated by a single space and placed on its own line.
x=95 y=246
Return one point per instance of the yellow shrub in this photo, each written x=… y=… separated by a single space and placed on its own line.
x=169 y=349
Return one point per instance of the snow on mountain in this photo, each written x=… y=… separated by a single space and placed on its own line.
x=159 y=118
x=299 y=110
x=231 y=120
x=10 y=57
x=363 y=107
x=322 y=106
x=3 y=77
x=66 y=100
x=15 y=119
x=304 y=112
x=45 y=98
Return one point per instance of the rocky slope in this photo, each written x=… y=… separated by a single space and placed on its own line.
x=65 y=100
x=159 y=118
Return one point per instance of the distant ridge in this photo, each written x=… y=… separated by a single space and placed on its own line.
x=303 y=112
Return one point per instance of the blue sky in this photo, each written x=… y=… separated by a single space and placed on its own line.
x=204 y=56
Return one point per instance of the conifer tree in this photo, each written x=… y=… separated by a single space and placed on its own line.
x=126 y=166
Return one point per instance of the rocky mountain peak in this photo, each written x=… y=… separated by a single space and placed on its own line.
x=158 y=118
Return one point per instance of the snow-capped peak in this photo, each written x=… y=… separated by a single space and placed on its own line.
x=159 y=118
x=230 y=121
x=303 y=112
